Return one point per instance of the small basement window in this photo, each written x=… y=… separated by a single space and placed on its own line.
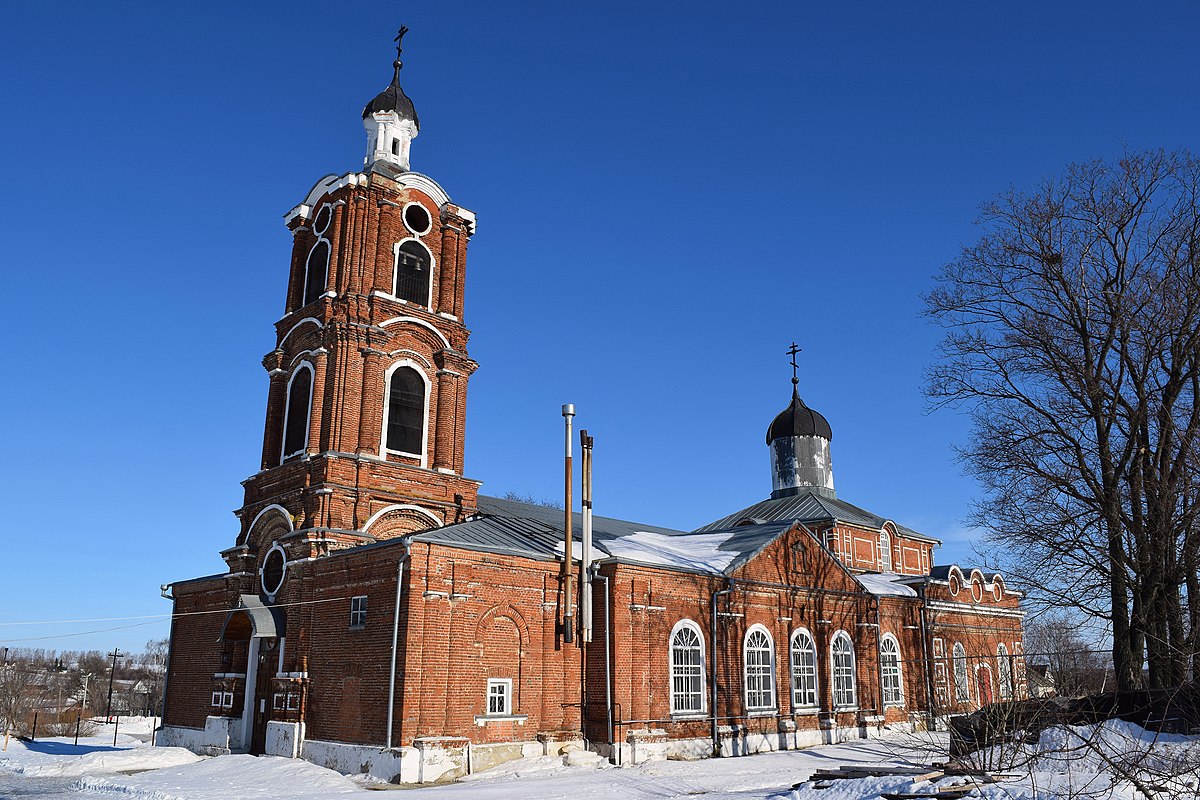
x=499 y=696
x=358 y=611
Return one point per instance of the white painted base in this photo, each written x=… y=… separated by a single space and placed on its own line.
x=284 y=739
x=220 y=736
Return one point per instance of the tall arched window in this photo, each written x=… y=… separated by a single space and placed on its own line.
x=889 y=670
x=962 y=684
x=411 y=279
x=1004 y=671
x=687 y=669
x=804 y=670
x=315 y=270
x=885 y=551
x=759 y=653
x=841 y=664
x=296 y=411
x=405 y=412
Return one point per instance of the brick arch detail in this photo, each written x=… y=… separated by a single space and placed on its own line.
x=398 y=520
x=505 y=611
x=272 y=519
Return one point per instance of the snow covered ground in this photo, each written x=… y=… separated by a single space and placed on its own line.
x=1066 y=763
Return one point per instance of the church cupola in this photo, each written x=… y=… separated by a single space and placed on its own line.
x=391 y=121
x=799 y=440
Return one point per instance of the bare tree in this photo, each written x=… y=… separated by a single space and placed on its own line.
x=1078 y=667
x=1072 y=336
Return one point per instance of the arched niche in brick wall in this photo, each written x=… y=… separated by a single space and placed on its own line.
x=399 y=520
x=268 y=525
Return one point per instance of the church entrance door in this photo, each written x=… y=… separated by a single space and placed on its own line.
x=267 y=656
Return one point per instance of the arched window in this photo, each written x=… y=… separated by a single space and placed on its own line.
x=315 y=270
x=405 y=413
x=759 y=652
x=687 y=669
x=1004 y=670
x=296 y=412
x=841 y=664
x=885 y=551
x=804 y=670
x=962 y=685
x=411 y=280
x=889 y=669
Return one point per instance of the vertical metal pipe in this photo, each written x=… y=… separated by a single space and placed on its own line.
x=391 y=707
x=608 y=705
x=568 y=411
x=585 y=586
x=712 y=635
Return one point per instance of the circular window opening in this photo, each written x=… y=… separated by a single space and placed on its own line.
x=417 y=218
x=977 y=589
x=321 y=223
x=997 y=590
x=273 y=569
x=954 y=584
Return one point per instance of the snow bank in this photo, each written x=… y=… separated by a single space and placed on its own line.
x=235 y=776
x=94 y=755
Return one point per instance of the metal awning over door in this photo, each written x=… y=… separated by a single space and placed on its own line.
x=252 y=619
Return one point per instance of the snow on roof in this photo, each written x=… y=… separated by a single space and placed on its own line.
x=886 y=584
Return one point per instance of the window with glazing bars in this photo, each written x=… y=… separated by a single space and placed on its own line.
x=842 y=652
x=804 y=670
x=687 y=672
x=760 y=672
x=889 y=667
x=358 y=611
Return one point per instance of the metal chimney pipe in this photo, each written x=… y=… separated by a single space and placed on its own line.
x=585 y=585
x=568 y=412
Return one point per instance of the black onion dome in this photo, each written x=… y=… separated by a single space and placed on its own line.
x=799 y=420
x=393 y=98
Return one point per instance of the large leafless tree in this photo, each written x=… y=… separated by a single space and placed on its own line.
x=1072 y=336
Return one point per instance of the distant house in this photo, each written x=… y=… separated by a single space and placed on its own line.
x=1040 y=680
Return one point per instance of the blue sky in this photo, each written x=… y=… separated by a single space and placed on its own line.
x=667 y=197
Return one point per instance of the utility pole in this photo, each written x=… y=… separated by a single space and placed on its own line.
x=115 y=654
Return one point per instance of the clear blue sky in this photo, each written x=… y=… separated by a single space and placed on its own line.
x=668 y=195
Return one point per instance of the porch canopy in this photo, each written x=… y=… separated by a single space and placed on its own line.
x=252 y=619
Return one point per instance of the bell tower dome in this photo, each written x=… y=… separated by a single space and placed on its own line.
x=391 y=120
x=799 y=440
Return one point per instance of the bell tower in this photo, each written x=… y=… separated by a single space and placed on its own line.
x=367 y=391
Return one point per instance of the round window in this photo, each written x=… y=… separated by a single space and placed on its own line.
x=321 y=223
x=416 y=218
x=273 y=569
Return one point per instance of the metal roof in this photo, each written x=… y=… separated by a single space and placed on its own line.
x=809 y=506
x=533 y=531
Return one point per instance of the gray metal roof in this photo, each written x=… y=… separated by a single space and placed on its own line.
x=809 y=507
x=533 y=531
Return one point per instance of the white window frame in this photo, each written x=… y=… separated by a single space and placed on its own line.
x=805 y=697
x=681 y=673
x=505 y=694
x=358 y=611
x=962 y=676
x=321 y=237
x=843 y=698
x=287 y=404
x=1004 y=672
x=885 y=551
x=757 y=682
x=396 y=266
x=384 y=452
x=892 y=691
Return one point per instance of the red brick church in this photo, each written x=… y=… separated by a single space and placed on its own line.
x=379 y=614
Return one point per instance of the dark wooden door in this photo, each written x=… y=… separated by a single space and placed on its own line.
x=267 y=657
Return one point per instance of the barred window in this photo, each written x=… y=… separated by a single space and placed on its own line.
x=842 y=666
x=759 y=654
x=358 y=611
x=499 y=696
x=406 y=412
x=412 y=273
x=804 y=670
x=962 y=685
x=297 y=410
x=1004 y=663
x=889 y=667
x=687 y=670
